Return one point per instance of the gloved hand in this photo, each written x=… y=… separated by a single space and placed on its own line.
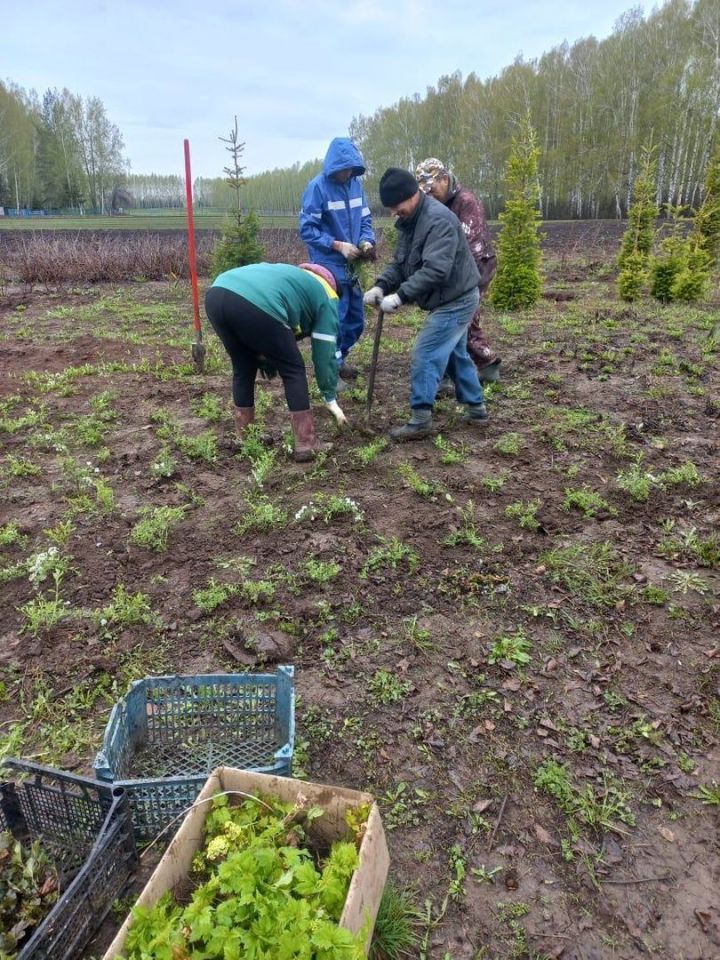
x=367 y=250
x=335 y=410
x=373 y=297
x=390 y=303
x=266 y=368
x=348 y=250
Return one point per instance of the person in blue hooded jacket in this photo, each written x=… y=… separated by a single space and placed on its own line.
x=336 y=226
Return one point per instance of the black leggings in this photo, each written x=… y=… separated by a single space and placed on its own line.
x=246 y=332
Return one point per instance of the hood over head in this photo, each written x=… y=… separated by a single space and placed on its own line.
x=342 y=154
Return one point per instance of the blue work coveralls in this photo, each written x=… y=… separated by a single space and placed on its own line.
x=339 y=211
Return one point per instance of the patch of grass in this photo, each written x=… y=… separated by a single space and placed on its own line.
x=320 y=571
x=390 y=554
x=593 y=572
x=209 y=598
x=126 y=609
x=524 y=512
x=599 y=808
x=637 y=482
x=450 y=453
x=369 y=453
x=260 y=514
x=587 y=501
x=153 y=530
x=514 y=647
x=424 y=488
x=395 y=936
x=466 y=531
x=709 y=795
x=210 y=407
x=385 y=687
x=509 y=444
x=10 y=535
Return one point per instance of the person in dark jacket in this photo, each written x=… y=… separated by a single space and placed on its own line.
x=336 y=225
x=436 y=179
x=259 y=312
x=433 y=267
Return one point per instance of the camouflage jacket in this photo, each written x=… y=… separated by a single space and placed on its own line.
x=471 y=214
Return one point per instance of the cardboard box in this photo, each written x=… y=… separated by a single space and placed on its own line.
x=368 y=881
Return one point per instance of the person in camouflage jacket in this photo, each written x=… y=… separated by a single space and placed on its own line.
x=436 y=179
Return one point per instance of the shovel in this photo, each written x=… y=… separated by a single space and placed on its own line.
x=373 y=362
x=198 y=347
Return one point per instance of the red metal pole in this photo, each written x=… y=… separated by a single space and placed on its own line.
x=191 y=243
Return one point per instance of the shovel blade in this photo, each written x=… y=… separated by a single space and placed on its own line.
x=198 y=355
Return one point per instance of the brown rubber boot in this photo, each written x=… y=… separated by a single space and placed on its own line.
x=306 y=443
x=244 y=416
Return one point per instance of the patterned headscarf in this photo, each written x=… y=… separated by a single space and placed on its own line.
x=320 y=271
x=428 y=171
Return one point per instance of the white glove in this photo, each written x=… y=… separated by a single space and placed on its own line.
x=348 y=250
x=373 y=297
x=335 y=410
x=391 y=303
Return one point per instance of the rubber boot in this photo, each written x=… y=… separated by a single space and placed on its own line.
x=244 y=416
x=418 y=426
x=306 y=443
x=475 y=413
x=347 y=372
x=490 y=373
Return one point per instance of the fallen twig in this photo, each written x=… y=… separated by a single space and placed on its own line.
x=498 y=821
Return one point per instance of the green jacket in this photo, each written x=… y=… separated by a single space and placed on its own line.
x=300 y=300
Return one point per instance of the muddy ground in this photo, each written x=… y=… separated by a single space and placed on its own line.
x=507 y=633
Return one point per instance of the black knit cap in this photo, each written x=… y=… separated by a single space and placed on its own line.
x=397 y=185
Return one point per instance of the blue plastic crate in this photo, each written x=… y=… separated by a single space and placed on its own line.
x=167 y=734
x=84 y=828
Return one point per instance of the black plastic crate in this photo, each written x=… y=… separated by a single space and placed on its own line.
x=85 y=829
x=168 y=734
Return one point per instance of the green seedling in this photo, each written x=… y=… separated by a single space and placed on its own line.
x=164 y=465
x=369 y=453
x=525 y=513
x=514 y=648
x=10 y=535
x=495 y=482
x=593 y=572
x=510 y=444
x=424 y=488
x=320 y=571
x=386 y=688
x=125 y=609
x=260 y=514
x=212 y=596
x=450 y=453
x=587 y=501
x=210 y=407
x=637 y=483
x=709 y=795
x=467 y=531
x=21 y=467
x=153 y=530
x=390 y=554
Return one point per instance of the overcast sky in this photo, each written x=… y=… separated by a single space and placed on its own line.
x=295 y=72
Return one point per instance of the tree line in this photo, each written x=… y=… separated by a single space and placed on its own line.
x=594 y=104
x=59 y=151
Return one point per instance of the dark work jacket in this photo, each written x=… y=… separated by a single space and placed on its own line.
x=432 y=264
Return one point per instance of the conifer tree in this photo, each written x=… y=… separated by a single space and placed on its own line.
x=637 y=242
x=240 y=241
x=518 y=282
x=707 y=221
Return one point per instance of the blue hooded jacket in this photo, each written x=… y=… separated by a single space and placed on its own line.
x=336 y=211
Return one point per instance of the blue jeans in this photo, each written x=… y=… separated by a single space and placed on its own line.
x=442 y=345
